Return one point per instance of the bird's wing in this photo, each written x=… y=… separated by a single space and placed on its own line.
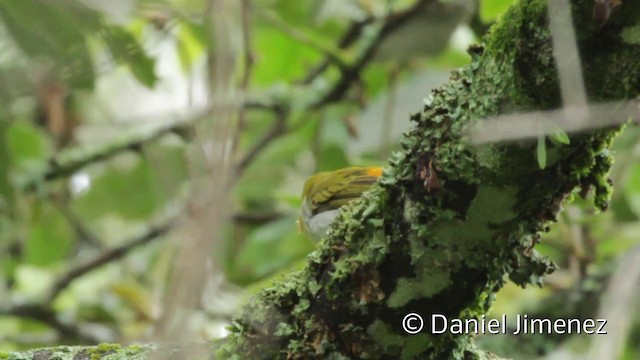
x=329 y=194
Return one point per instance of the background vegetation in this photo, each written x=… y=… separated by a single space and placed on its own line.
x=97 y=173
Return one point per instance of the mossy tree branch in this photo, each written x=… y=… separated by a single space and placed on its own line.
x=407 y=247
x=414 y=244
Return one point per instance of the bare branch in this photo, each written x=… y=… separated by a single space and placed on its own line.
x=334 y=55
x=619 y=299
x=109 y=256
x=350 y=76
x=566 y=54
x=352 y=73
x=47 y=316
x=528 y=125
x=249 y=60
x=278 y=129
x=83 y=233
x=69 y=161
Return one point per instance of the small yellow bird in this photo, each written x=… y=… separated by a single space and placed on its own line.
x=324 y=193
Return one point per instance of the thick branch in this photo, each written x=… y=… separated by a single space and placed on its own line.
x=449 y=219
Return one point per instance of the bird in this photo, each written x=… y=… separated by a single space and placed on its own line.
x=325 y=193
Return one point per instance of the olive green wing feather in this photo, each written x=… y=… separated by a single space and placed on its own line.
x=329 y=194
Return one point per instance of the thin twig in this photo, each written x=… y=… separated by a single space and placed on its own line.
x=69 y=161
x=278 y=129
x=247 y=71
x=109 y=256
x=82 y=231
x=567 y=57
x=528 y=125
x=350 y=36
x=354 y=33
x=352 y=73
x=47 y=316
x=617 y=305
x=333 y=54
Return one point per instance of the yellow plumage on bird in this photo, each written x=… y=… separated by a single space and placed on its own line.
x=324 y=193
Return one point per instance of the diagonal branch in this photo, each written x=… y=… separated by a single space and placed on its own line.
x=351 y=74
x=354 y=33
x=48 y=316
x=407 y=249
x=109 y=256
x=278 y=129
x=71 y=160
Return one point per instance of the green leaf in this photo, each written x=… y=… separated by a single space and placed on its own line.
x=415 y=345
x=541 y=152
x=126 y=50
x=27 y=147
x=631 y=35
x=286 y=58
x=190 y=45
x=332 y=157
x=558 y=135
x=267 y=171
x=136 y=296
x=268 y=249
x=147 y=184
x=376 y=76
x=54 y=31
x=50 y=237
x=622 y=210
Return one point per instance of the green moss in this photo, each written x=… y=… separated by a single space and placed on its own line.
x=60 y=352
x=416 y=345
x=384 y=335
x=99 y=351
x=427 y=284
x=405 y=248
x=102 y=351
